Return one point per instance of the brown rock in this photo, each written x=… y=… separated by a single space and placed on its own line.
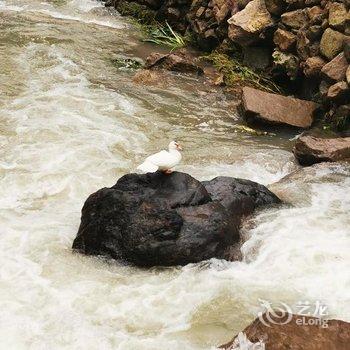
x=347 y=74
x=246 y=25
x=335 y=70
x=214 y=76
x=346 y=48
x=276 y=7
x=339 y=92
x=338 y=15
x=147 y=77
x=303 y=45
x=316 y=14
x=208 y=13
x=331 y=43
x=292 y=4
x=312 y=2
x=314 y=32
x=284 y=40
x=294 y=19
x=309 y=150
x=222 y=9
x=276 y=109
x=177 y=61
x=200 y=11
x=297 y=335
x=313 y=66
x=325 y=24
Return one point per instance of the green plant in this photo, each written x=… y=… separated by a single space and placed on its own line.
x=125 y=63
x=165 y=35
x=247 y=129
x=235 y=73
x=141 y=13
x=341 y=123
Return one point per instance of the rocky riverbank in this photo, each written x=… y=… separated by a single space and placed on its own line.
x=303 y=45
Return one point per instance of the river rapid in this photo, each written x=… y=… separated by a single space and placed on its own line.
x=71 y=123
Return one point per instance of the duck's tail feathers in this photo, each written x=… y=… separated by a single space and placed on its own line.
x=147 y=167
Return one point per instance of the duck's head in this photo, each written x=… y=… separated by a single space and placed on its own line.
x=174 y=145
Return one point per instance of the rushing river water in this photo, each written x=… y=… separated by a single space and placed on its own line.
x=70 y=123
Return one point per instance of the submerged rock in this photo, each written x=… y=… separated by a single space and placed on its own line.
x=180 y=61
x=158 y=219
x=297 y=187
x=311 y=149
x=277 y=109
x=298 y=332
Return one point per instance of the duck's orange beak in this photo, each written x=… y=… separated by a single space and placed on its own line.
x=179 y=147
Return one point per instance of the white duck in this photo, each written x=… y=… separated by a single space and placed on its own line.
x=163 y=160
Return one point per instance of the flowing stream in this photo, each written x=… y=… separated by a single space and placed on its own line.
x=71 y=123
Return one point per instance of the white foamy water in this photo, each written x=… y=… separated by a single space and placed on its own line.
x=71 y=123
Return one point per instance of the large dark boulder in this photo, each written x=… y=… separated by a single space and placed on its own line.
x=158 y=219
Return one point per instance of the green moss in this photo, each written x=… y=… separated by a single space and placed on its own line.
x=337 y=123
x=140 y=12
x=125 y=63
x=235 y=73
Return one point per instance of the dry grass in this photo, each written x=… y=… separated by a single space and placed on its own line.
x=235 y=73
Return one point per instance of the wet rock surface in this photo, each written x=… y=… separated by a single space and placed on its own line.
x=296 y=187
x=298 y=332
x=180 y=61
x=158 y=219
x=310 y=149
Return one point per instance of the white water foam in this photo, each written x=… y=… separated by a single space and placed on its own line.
x=81 y=11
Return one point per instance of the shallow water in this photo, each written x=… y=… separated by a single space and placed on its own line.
x=70 y=123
